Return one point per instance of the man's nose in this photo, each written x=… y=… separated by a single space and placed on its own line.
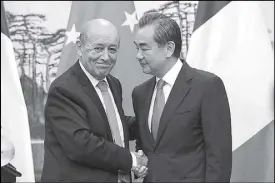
x=105 y=55
x=139 y=55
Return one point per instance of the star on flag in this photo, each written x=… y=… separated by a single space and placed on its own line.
x=131 y=20
x=72 y=35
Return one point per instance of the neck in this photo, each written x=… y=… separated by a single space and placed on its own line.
x=170 y=62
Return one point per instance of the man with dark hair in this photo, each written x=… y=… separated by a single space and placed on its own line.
x=183 y=116
x=86 y=133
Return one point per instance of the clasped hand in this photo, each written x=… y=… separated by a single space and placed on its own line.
x=141 y=169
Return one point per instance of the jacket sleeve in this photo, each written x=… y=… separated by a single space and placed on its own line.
x=134 y=127
x=69 y=123
x=216 y=123
x=130 y=120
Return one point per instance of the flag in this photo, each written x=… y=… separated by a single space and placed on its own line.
x=231 y=40
x=14 y=116
x=123 y=15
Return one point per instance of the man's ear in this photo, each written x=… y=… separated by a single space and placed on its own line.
x=78 y=44
x=170 y=48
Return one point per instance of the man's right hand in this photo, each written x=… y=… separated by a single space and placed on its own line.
x=141 y=169
x=142 y=160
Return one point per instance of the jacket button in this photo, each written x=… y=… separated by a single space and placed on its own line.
x=155 y=153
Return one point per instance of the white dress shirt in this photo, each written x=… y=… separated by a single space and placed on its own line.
x=170 y=78
x=94 y=82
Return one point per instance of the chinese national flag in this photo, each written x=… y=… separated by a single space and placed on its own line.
x=123 y=15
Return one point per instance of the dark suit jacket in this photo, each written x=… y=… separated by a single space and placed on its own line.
x=78 y=141
x=194 y=142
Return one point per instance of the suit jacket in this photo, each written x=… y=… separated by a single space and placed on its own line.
x=194 y=142
x=78 y=141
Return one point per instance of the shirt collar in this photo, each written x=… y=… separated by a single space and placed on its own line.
x=171 y=76
x=92 y=79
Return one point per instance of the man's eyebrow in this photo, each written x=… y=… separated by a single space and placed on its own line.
x=100 y=44
x=96 y=44
x=140 y=44
x=113 y=45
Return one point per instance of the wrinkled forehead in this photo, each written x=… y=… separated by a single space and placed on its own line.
x=104 y=34
x=103 y=39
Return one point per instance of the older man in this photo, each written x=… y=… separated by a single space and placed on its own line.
x=87 y=135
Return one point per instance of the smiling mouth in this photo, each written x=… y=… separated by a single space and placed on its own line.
x=103 y=65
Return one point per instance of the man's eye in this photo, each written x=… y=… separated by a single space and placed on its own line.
x=98 y=49
x=112 y=50
x=144 y=49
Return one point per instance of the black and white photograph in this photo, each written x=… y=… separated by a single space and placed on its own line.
x=137 y=91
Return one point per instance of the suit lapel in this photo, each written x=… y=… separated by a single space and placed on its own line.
x=90 y=91
x=144 y=113
x=178 y=93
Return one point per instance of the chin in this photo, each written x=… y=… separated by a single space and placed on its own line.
x=99 y=76
x=103 y=70
x=146 y=70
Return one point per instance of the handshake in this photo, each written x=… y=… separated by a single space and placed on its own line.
x=141 y=169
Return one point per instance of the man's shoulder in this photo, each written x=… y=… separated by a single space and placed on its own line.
x=65 y=81
x=144 y=85
x=113 y=78
x=206 y=79
x=203 y=75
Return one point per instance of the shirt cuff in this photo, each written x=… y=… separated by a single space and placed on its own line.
x=134 y=158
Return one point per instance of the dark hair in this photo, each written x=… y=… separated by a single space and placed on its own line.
x=166 y=29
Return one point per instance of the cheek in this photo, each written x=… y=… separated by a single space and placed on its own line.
x=113 y=61
x=92 y=57
x=91 y=60
x=157 y=59
x=151 y=60
x=113 y=57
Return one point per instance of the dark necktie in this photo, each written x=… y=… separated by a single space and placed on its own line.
x=158 y=108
